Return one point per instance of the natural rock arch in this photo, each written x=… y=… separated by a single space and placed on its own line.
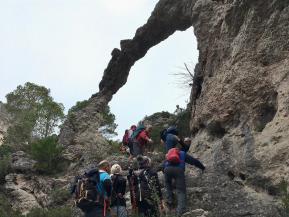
x=218 y=27
x=241 y=43
x=168 y=17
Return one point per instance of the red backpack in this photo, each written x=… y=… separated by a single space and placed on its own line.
x=173 y=156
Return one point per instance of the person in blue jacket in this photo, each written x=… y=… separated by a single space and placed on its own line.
x=104 y=188
x=177 y=172
x=170 y=138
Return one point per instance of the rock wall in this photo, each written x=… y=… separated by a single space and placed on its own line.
x=239 y=98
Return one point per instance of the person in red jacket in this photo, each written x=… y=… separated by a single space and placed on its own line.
x=141 y=140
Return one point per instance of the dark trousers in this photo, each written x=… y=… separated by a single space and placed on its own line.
x=178 y=175
x=147 y=209
x=130 y=146
x=96 y=212
x=138 y=149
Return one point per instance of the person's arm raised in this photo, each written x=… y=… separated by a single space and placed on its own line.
x=193 y=161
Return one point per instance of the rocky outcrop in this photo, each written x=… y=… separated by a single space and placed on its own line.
x=25 y=188
x=28 y=191
x=239 y=98
x=4 y=122
x=196 y=213
x=21 y=163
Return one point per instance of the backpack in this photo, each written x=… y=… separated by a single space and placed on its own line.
x=143 y=189
x=171 y=130
x=125 y=138
x=85 y=190
x=114 y=180
x=163 y=135
x=138 y=130
x=173 y=156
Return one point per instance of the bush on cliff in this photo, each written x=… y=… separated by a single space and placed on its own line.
x=285 y=197
x=5 y=162
x=6 y=209
x=48 y=154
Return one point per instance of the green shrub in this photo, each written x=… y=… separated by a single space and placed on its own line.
x=183 y=119
x=114 y=147
x=5 y=167
x=53 y=212
x=6 y=209
x=285 y=197
x=60 y=196
x=155 y=136
x=79 y=106
x=5 y=150
x=48 y=153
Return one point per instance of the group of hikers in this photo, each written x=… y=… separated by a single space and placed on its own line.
x=101 y=192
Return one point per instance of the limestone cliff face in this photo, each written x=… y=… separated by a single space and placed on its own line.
x=240 y=103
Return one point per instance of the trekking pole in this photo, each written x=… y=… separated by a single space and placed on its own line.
x=134 y=205
x=139 y=188
x=104 y=209
x=117 y=205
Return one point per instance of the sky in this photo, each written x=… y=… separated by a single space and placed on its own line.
x=65 y=45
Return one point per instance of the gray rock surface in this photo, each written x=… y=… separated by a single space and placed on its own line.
x=22 y=163
x=28 y=191
x=196 y=213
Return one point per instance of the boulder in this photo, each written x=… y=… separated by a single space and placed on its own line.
x=22 y=163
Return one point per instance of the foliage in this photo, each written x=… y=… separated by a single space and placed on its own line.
x=182 y=122
x=114 y=147
x=60 y=196
x=155 y=136
x=160 y=115
x=34 y=113
x=6 y=209
x=162 y=120
x=49 y=117
x=5 y=167
x=21 y=130
x=53 y=212
x=108 y=124
x=5 y=161
x=79 y=106
x=48 y=153
x=5 y=150
x=285 y=197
